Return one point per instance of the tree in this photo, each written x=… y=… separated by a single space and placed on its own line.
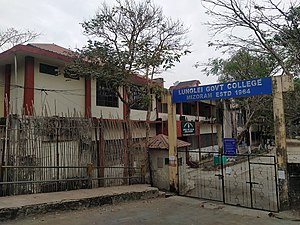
x=128 y=39
x=11 y=37
x=246 y=65
x=292 y=110
x=269 y=27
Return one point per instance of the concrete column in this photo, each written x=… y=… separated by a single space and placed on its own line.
x=172 y=136
x=7 y=89
x=227 y=121
x=220 y=135
x=280 y=142
x=87 y=102
x=28 y=86
x=250 y=136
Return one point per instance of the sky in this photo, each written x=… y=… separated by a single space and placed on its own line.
x=58 y=21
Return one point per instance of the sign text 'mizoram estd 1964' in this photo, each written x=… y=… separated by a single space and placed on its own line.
x=242 y=88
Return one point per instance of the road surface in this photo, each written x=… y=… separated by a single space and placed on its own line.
x=162 y=211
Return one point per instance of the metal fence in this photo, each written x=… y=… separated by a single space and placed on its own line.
x=47 y=154
x=242 y=180
x=31 y=179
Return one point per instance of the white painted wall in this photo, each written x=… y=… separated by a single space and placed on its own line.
x=206 y=129
x=62 y=96
x=293 y=150
x=139 y=131
x=65 y=95
x=141 y=114
x=105 y=112
x=17 y=93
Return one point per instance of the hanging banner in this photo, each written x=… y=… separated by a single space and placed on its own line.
x=235 y=89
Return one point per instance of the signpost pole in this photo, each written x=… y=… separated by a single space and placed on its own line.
x=280 y=141
x=172 y=136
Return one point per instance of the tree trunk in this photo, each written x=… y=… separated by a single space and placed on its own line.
x=128 y=136
x=147 y=157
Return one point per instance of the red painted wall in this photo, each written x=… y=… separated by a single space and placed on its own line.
x=7 y=89
x=88 y=101
x=28 y=86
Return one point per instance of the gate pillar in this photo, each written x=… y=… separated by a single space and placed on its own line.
x=172 y=136
x=280 y=85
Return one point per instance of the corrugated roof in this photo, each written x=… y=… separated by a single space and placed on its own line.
x=161 y=141
x=53 y=48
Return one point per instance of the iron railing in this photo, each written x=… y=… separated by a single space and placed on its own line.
x=243 y=180
x=17 y=180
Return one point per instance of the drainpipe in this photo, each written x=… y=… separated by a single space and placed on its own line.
x=16 y=84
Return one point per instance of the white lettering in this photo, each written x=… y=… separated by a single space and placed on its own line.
x=259 y=82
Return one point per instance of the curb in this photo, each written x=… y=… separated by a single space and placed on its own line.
x=74 y=204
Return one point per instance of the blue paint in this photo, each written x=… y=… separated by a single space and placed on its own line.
x=229 y=146
x=235 y=89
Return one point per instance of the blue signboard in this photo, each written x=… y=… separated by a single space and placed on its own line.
x=241 y=88
x=229 y=146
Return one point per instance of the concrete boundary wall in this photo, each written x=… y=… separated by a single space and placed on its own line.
x=13 y=207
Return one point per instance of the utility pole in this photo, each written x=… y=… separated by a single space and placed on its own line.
x=172 y=136
x=281 y=84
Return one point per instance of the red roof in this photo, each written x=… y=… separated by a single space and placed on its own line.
x=53 y=48
x=58 y=52
x=31 y=49
x=186 y=84
x=139 y=79
x=161 y=141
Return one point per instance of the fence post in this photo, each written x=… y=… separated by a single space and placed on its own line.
x=143 y=173
x=89 y=172
x=100 y=142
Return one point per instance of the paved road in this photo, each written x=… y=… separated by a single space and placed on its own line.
x=174 y=210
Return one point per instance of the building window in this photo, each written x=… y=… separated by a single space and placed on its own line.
x=161 y=107
x=189 y=108
x=105 y=96
x=178 y=108
x=207 y=110
x=139 y=98
x=48 y=69
x=72 y=76
x=164 y=107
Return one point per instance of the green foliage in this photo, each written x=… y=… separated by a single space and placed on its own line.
x=98 y=61
x=287 y=39
x=270 y=31
x=292 y=110
x=241 y=65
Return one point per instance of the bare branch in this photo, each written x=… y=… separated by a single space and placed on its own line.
x=11 y=37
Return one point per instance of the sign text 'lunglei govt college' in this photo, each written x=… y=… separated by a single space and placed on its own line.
x=241 y=88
